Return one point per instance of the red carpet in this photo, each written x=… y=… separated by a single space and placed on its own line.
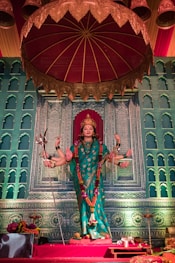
x=63 y=260
x=74 y=253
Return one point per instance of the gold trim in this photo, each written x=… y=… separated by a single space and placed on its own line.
x=86 y=90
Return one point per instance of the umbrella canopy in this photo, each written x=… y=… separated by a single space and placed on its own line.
x=85 y=47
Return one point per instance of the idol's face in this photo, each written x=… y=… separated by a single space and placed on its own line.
x=88 y=130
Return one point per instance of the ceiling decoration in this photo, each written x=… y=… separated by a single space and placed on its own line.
x=166 y=14
x=82 y=46
x=6 y=14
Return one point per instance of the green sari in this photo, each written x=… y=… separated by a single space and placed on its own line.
x=88 y=159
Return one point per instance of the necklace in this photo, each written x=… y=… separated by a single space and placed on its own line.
x=87 y=147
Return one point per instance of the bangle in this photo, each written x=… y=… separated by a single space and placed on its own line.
x=49 y=157
x=125 y=156
x=57 y=147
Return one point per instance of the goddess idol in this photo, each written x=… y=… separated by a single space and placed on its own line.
x=86 y=158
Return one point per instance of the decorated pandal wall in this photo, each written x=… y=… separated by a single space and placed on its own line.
x=143 y=117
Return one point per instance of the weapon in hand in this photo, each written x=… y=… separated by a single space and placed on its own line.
x=41 y=140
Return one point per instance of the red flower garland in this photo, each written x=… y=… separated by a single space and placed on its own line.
x=84 y=195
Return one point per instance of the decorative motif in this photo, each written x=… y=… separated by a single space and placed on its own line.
x=137 y=219
x=29 y=7
x=75 y=219
x=166 y=14
x=117 y=219
x=159 y=218
x=54 y=219
x=15 y=218
x=6 y=14
x=141 y=8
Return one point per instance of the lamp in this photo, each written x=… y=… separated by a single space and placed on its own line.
x=141 y=8
x=166 y=14
x=6 y=14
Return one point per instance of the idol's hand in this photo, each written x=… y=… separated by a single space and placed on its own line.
x=112 y=155
x=129 y=153
x=45 y=155
x=124 y=164
x=68 y=155
x=49 y=163
x=57 y=141
x=117 y=138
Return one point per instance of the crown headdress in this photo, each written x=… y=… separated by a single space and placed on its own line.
x=88 y=121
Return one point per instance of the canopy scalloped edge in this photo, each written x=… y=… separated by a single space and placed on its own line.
x=100 y=9
x=85 y=90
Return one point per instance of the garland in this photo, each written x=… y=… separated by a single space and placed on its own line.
x=84 y=195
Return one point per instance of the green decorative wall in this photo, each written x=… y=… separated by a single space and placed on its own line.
x=145 y=119
x=157 y=96
x=18 y=107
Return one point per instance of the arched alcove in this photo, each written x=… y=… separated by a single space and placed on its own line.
x=151 y=141
x=5 y=142
x=162 y=175
x=146 y=83
x=169 y=141
x=163 y=190
x=23 y=142
x=12 y=177
x=21 y=192
x=166 y=120
x=26 y=122
x=13 y=161
x=147 y=101
x=151 y=175
x=150 y=160
x=171 y=160
x=16 y=67
x=164 y=102
x=11 y=103
x=10 y=192
x=149 y=120
x=152 y=191
x=23 y=176
x=13 y=84
x=160 y=160
x=2 y=176
x=28 y=103
x=8 y=122
x=172 y=175
x=24 y=161
x=3 y=160
x=162 y=84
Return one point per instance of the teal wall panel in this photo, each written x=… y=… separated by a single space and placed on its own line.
x=148 y=185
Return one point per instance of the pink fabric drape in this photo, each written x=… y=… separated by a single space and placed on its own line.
x=163 y=41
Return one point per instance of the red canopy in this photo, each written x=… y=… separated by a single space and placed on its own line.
x=85 y=47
